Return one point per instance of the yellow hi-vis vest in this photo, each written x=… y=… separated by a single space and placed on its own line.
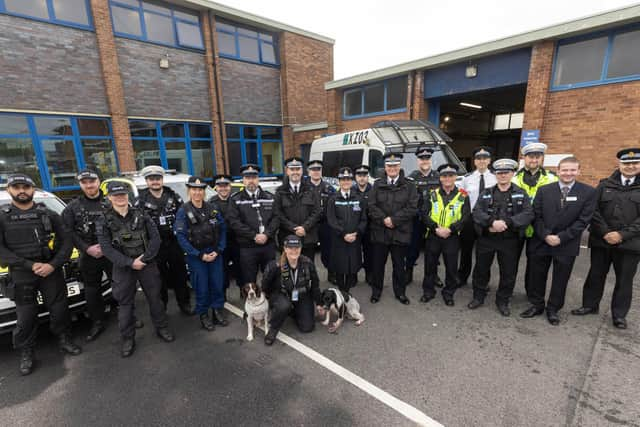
x=445 y=215
x=545 y=178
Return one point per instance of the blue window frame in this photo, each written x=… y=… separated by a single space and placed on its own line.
x=246 y=44
x=261 y=145
x=52 y=149
x=185 y=147
x=158 y=23
x=595 y=59
x=71 y=13
x=384 y=97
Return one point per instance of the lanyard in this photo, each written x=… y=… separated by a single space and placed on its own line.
x=294 y=276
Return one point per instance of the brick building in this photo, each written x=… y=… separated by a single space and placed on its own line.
x=576 y=84
x=120 y=84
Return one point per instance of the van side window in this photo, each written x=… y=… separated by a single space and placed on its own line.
x=334 y=160
x=376 y=165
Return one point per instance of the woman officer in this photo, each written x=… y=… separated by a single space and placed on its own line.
x=201 y=232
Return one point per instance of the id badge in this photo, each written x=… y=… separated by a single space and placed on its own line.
x=163 y=220
x=294 y=295
x=255 y=205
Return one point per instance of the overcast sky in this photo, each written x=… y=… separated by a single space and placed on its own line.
x=374 y=34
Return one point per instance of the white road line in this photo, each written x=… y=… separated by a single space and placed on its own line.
x=394 y=403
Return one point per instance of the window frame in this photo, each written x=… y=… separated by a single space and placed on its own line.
x=236 y=37
x=258 y=141
x=52 y=16
x=362 y=89
x=603 y=80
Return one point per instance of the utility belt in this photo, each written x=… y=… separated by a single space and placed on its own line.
x=130 y=244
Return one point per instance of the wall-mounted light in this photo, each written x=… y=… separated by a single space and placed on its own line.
x=471 y=71
x=164 y=62
x=467 y=104
x=447 y=119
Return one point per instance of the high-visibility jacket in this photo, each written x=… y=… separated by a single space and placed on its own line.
x=445 y=215
x=531 y=190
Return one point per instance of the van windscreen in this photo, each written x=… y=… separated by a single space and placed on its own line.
x=333 y=160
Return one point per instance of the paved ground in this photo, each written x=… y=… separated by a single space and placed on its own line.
x=459 y=367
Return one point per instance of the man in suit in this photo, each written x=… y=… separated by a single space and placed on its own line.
x=562 y=212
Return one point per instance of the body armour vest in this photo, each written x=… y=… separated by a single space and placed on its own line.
x=129 y=236
x=204 y=227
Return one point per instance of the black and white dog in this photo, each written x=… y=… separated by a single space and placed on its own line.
x=342 y=304
x=256 y=309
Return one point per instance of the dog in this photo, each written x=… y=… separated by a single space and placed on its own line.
x=342 y=303
x=256 y=309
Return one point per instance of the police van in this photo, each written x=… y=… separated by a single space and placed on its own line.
x=367 y=146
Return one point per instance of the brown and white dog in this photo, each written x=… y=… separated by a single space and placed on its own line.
x=256 y=309
x=341 y=303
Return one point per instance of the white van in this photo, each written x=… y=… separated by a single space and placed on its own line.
x=367 y=146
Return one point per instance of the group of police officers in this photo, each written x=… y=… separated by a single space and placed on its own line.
x=496 y=209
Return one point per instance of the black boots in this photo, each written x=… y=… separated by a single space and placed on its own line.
x=271 y=336
x=165 y=334
x=186 y=309
x=96 y=329
x=408 y=275
x=218 y=318
x=206 y=322
x=26 y=361
x=128 y=347
x=67 y=346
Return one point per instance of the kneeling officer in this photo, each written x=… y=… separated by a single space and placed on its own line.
x=130 y=240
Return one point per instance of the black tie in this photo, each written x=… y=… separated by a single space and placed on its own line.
x=481 y=183
x=563 y=198
x=627 y=182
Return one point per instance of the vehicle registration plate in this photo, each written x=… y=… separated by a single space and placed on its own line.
x=73 y=289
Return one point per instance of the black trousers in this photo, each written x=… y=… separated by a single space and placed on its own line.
x=434 y=247
x=303 y=310
x=562 y=267
x=346 y=281
x=417 y=242
x=124 y=287
x=310 y=251
x=468 y=238
x=92 y=270
x=54 y=295
x=527 y=271
x=625 y=265
x=366 y=253
x=254 y=259
x=173 y=272
x=379 y=254
x=324 y=236
x=487 y=247
x=232 y=269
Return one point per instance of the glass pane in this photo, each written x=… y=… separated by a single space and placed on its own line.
x=177 y=156
x=227 y=44
x=200 y=131
x=17 y=155
x=221 y=26
x=155 y=8
x=99 y=155
x=187 y=16
x=93 y=127
x=268 y=53
x=246 y=32
x=72 y=11
x=202 y=158
x=142 y=128
x=625 y=56
x=397 y=93
x=271 y=158
x=53 y=126
x=251 y=151
x=353 y=103
x=580 y=62
x=134 y=3
x=248 y=49
x=270 y=133
x=172 y=130
x=374 y=99
x=35 y=8
x=61 y=161
x=159 y=28
x=266 y=37
x=501 y=122
x=189 y=35
x=146 y=153
x=516 y=121
x=232 y=131
x=13 y=125
x=126 y=21
x=235 y=157
x=250 y=132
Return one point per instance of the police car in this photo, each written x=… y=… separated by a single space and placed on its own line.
x=75 y=288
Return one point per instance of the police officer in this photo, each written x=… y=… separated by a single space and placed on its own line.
x=202 y=234
x=298 y=208
x=161 y=204
x=474 y=184
x=35 y=245
x=530 y=178
x=231 y=254
x=130 y=240
x=392 y=205
x=445 y=212
x=615 y=238
x=253 y=221
x=324 y=191
x=80 y=217
x=425 y=180
x=362 y=187
x=500 y=216
x=347 y=218
x=293 y=287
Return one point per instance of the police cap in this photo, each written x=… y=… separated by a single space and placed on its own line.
x=314 y=164
x=250 y=169
x=448 y=169
x=480 y=152
x=196 y=182
x=362 y=170
x=292 y=241
x=222 y=179
x=424 y=152
x=293 y=162
x=19 y=178
x=392 y=158
x=505 y=165
x=629 y=155
x=115 y=187
x=534 y=147
x=152 y=170
x=345 y=173
x=87 y=174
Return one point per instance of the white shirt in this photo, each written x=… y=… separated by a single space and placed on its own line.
x=295 y=187
x=624 y=179
x=471 y=184
x=345 y=195
x=392 y=181
x=569 y=186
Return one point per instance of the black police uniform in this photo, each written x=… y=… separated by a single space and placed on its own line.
x=250 y=215
x=513 y=207
x=366 y=238
x=231 y=254
x=324 y=191
x=170 y=257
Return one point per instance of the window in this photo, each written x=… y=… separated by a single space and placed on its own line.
x=508 y=121
x=332 y=161
x=155 y=23
x=255 y=144
x=389 y=96
x=605 y=58
x=246 y=44
x=74 y=13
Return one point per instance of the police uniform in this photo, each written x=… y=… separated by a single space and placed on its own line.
x=124 y=239
x=170 y=258
x=250 y=215
x=513 y=207
x=366 y=238
x=448 y=210
x=200 y=231
x=80 y=217
x=231 y=254
x=324 y=192
x=27 y=237
x=617 y=210
x=474 y=184
x=346 y=214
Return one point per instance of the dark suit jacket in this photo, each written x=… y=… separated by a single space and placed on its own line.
x=567 y=222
